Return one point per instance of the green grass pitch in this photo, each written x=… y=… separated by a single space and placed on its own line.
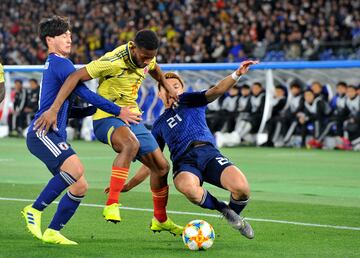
x=318 y=188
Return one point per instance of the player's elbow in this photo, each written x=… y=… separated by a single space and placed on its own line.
x=79 y=75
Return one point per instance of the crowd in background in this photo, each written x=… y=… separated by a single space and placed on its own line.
x=210 y=31
x=308 y=112
x=25 y=104
x=190 y=30
x=300 y=116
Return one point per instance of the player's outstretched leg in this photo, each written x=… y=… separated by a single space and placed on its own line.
x=55 y=186
x=66 y=209
x=68 y=203
x=235 y=181
x=126 y=145
x=32 y=218
x=159 y=167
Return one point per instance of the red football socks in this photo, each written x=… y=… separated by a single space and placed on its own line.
x=160 y=198
x=117 y=181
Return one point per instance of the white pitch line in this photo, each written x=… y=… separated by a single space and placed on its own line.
x=205 y=215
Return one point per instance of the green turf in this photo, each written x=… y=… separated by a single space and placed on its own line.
x=320 y=187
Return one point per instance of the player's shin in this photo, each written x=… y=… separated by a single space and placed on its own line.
x=208 y=201
x=160 y=199
x=117 y=181
x=66 y=209
x=53 y=189
x=238 y=205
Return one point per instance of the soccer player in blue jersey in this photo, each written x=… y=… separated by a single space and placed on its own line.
x=193 y=150
x=52 y=149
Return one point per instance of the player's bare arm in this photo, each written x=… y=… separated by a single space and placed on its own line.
x=229 y=81
x=159 y=76
x=49 y=117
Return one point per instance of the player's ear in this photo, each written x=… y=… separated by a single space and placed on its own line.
x=49 y=40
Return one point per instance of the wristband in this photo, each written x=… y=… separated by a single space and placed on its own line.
x=235 y=76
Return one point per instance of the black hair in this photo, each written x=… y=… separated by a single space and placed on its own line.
x=353 y=86
x=245 y=86
x=146 y=39
x=295 y=85
x=342 y=84
x=19 y=81
x=258 y=84
x=33 y=80
x=53 y=26
x=280 y=87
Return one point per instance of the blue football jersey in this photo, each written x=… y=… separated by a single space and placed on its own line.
x=179 y=127
x=56 y=70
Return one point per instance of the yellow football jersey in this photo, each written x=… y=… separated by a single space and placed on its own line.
x=1 y=73
x=119 y=77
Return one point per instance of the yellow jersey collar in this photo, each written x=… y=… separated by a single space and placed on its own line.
x=128 y=46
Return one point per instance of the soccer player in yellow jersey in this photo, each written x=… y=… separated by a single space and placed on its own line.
x=2 y=86
x=120 y=74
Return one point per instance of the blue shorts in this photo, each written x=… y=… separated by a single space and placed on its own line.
x=206 y=162
x=104 y=128
x=51 y=149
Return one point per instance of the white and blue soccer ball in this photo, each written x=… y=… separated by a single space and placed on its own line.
x=198 y=235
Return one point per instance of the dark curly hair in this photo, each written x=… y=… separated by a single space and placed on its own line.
x=53 y=26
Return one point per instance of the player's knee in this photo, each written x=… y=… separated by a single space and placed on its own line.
x=77 y=170
x=83 y=187
x=163 y=168
x=241 y=190
x=191 y=192
x=80 y=187
x=128 y=146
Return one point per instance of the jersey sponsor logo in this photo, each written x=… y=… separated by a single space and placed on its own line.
x=222 y=161
x=46 y=66
x=173 y=121
x=63 y=146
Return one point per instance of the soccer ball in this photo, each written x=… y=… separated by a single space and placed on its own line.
x=198 y=235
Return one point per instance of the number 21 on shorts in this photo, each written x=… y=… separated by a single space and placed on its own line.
x=222 y=161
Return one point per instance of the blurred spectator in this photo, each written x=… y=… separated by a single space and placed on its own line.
x=273 y=125
x=338 y=115
x=314 y=115
x=289 y=121
x=352 y=122
x=190 y=31
x=243 y=106
x=230 y=106
x=32 y=101
x=248 y=125
x=319 y=90
x=215 y=115
x=16 y=119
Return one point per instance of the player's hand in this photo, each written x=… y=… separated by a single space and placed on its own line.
x=129 y=116
x=107 y=190
x=172 y=93
x=245 y=66
x=45 y=121
x=125 y=189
